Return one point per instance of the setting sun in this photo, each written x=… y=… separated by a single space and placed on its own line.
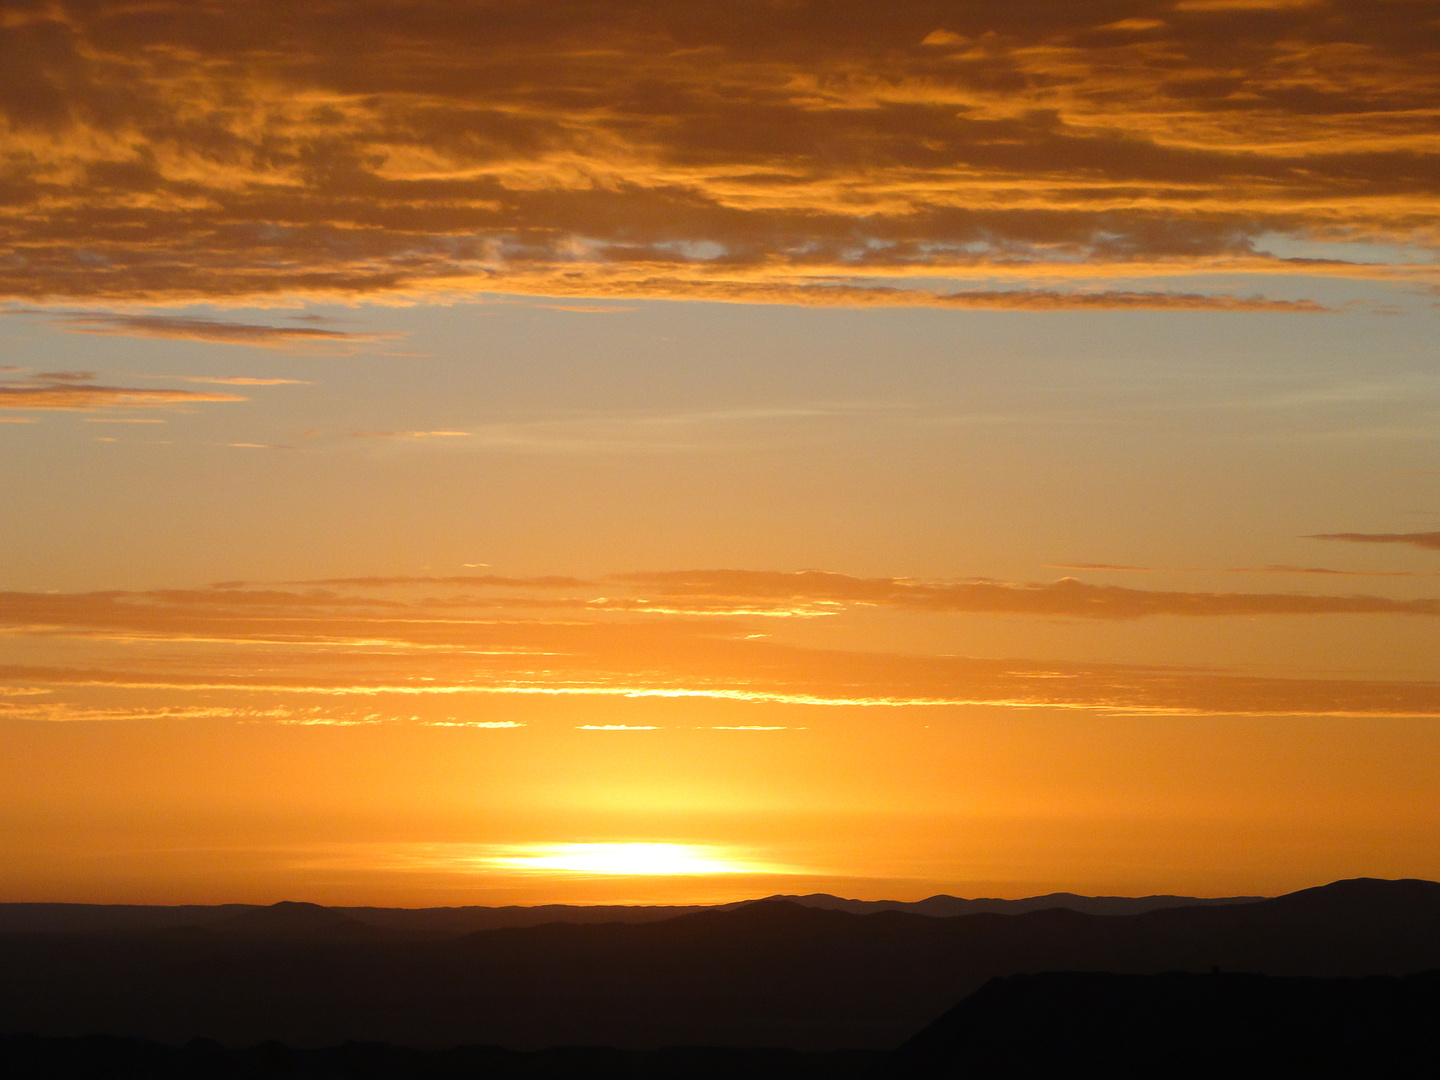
x=637 y=859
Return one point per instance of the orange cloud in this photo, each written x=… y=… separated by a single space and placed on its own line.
x=1279 y=569
x=645 y=635
x=477 y=580
x=405 y=434
x=73 y=392
x=195 y=329
x=169 y=151
x=1430 y=540
x=1065 y=598
x=241 y=380
x=682 y=603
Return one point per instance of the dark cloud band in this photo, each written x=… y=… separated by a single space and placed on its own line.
x=596 y=147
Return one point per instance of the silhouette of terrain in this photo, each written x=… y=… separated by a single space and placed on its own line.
x=29 y=1057
x=766 y=974
x=290 y=920
x=1178 y=1025
x=1060 y=1024
x=72 y=918
x=943 y=906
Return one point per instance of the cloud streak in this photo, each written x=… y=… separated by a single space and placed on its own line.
x=1066 y=598
x=242 y=380
x=1427 y=540
x=74 y=392
x=217 y=331
x=1301 y=571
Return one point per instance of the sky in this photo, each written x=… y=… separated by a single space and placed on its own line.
x=485 y=451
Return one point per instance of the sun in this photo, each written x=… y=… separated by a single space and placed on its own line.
x=634 y=859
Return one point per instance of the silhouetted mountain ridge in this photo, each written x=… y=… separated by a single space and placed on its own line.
x=67 y=918
x=292 y=920
x=943 y=905
x=770 y=973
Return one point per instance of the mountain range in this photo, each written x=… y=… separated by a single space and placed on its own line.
x=772 y=973
x=63 y=918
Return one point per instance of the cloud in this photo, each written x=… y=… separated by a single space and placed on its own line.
x=65 y=376
x=406 y=613
x=475 y=580
x=242 y=380
x=1069 y=598
x=416 y=149
x=387 y=641
x=498 y=724
x=638 y=432
x=406 y=434
x=715 y=288
x=1134 y=24
x=1243 y=5
x=1430 y=540
x=188 y=328
x=72 y=392
x=756 y=672
x=1278 y=569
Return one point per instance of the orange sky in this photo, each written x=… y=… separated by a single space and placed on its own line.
x=885 y=449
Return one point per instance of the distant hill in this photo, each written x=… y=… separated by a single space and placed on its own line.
x=293 y=921
x=67 y=918
x=771 y=973
x=943 y=906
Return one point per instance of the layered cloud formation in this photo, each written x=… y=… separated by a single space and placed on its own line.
x=807 y=152
x=388 y=645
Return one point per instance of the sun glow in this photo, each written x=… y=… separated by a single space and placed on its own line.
x=638 y=859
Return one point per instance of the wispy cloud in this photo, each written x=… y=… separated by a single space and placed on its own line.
x=75 y=392
x=1430 y=540
x=663 y=432
x=407 y=434
x=244 y=380
x=554 y=581
x=1301 y=571
x=190 y=328
x=1067 y=597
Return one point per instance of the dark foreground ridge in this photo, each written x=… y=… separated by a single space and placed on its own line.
x=104 y=1057
x=1180 y=1025
x=768 y=974
x=1059 y=1025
